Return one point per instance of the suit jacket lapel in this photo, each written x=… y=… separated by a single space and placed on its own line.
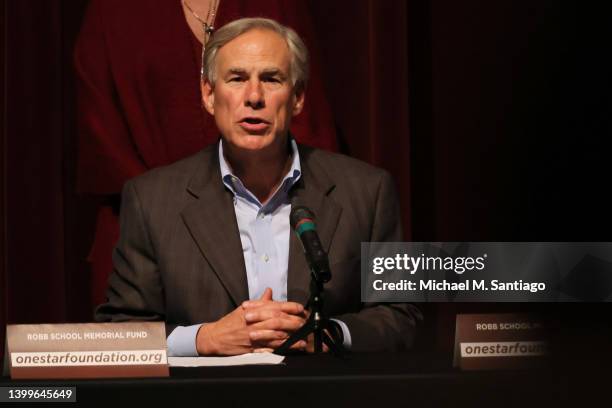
x=211 y=220
x=312 y=191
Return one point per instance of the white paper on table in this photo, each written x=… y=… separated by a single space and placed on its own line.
x=242 y=359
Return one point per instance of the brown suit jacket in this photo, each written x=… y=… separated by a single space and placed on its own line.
x=179 y=256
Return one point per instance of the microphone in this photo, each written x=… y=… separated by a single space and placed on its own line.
x=302 y=222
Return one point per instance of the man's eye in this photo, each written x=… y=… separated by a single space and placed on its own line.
x=273 y=80
x=235 y=79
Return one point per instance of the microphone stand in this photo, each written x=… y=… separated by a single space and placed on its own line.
x=317 y=322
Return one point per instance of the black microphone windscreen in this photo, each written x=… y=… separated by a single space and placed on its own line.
x=299 y=213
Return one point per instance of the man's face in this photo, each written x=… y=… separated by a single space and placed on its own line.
x=253 y=99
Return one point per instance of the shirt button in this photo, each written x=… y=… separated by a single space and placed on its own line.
x=266 y=258
x=261 y=216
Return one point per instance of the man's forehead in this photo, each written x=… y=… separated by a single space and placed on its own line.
x=261 y=47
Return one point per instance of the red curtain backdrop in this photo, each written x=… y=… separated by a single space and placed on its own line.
x=365 y=45
x=3 y=286
x=45 y=276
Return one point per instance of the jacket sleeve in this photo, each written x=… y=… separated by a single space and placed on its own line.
x=384 y=326
x=135 y=289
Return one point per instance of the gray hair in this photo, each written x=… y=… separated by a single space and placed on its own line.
x=297 y=48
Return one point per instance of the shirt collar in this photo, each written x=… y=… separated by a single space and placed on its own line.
x=234 y=184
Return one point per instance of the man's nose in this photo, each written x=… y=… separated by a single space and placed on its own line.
x=255 y=96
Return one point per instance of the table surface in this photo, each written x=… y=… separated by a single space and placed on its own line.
x=415 y=379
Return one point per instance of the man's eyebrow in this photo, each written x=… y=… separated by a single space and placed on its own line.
x=273 y=71
x=236 y=71
x=266 y=71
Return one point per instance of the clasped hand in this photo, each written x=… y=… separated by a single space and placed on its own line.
x=254 y=326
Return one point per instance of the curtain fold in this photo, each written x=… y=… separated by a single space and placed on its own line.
x=365 y=45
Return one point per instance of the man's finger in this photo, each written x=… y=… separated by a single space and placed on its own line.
x=310 y=346
x=300 y=345
x=286 y=307
x=265 y=298
x=255 y=303
x=267 y=295
x=267 y=335
x=263 y=350
x=259 y=315
x=287 y=323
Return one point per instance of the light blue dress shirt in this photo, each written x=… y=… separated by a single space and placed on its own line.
x=264 y=233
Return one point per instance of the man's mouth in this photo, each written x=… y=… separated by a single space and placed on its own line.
x=253 y=124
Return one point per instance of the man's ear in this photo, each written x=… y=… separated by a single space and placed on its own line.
x=298 y=103
x=208 y=96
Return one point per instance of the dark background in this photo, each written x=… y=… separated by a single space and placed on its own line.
x=503 y=109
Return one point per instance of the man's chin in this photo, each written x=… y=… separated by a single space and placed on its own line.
x=253 y=143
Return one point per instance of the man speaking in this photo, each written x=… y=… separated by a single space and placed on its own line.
x=206 y=243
